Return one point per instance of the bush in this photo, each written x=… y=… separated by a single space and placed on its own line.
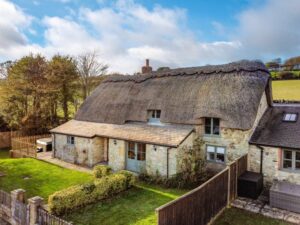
x=101 y=171
x=80 y=195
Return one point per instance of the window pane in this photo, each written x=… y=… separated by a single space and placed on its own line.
x=158 y=114
x=221 y=150
x=298 y=156
x=153 y=114
x=141 y=152
x=216 y=130
x=220 y=158
x=210 y=149
x=216 y=122
x=208 y=129
x=287 y=154
x=297 y=165
x=131 y=151
x=216 y=126
x=210 y=156
x=293 y=117
x=287 y=164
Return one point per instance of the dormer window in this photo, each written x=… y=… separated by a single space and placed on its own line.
x=212 y=126
x=290 y=117
x=154 y=116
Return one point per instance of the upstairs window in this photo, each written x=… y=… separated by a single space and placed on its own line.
x=212 y=126
x=154 y=116
x=70 y=140
x=290 y=117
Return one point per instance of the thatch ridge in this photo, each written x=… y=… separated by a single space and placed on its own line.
x=231 y=92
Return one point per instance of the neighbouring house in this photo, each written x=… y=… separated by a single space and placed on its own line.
x=275 y=144
x=141 y=122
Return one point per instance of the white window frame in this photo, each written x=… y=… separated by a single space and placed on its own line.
x=294 y=160
x=70 y=140
x=215 y=153
x=211 y=126
x=154 y=116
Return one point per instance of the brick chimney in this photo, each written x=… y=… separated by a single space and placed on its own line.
x=147 y=68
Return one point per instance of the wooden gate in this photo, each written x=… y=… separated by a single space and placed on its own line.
x=20 y=213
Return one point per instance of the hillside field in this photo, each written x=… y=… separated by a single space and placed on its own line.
x=286 y=89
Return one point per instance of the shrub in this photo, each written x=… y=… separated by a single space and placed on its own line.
x=101 y=171
x=79 y=195
x=130 y=178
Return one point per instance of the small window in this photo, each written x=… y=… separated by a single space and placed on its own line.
x=212 y=126
x=154 y=116
x=70 y=140
x=141 y=152
x=215 y=153
x=290 y=117
x=131 y=150
x=291 y=160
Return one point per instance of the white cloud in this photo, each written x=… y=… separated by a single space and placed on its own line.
x=125 y=33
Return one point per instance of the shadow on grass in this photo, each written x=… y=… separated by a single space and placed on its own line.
x=135 y=206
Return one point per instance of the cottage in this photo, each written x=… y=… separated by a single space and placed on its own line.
x=141 y=122
x=275 y=144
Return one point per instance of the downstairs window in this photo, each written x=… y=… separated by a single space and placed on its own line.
x=291 y=160
x=215 y=153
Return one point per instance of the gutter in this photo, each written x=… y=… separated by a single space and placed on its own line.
x=261 y=158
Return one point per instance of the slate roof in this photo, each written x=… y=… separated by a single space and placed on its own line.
x=171 y=136
x=273 y=131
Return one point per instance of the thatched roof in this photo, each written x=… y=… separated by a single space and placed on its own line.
x=231 y=92
x=273 y=131
x=171 y=136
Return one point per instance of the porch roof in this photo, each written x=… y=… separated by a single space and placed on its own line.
x=167 y=135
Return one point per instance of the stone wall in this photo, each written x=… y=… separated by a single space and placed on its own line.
x=117 y=154
x=271 y=165
x=85 y=151
x=235 y=141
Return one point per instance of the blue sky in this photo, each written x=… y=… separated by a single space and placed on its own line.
x=170 y=32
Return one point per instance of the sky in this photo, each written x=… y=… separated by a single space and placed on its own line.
x=173 y=33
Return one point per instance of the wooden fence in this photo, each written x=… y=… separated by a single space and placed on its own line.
x=25 y=146
x=5 y=138
x=45 y=218
x=201 y=205
x=5 y=199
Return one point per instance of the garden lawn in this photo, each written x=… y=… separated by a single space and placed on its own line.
x=37 y=177
x=235 y=216
x=135 y=207
x=286 y=89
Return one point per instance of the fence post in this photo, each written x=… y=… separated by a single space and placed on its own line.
x=34 y=204
x=16 y=195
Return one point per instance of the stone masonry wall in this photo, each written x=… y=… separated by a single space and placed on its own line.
x=235 y=141
x=85 y=151
x=117 y=154
x=271 y=165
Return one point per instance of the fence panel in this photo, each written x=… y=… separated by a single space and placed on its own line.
x=5 y=199
x=45 y=218
x=242 y=165
x=25 y=146
x=199 y=206
x=233 y=181
x=20 y=213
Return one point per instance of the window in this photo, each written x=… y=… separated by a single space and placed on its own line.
x=212 y=126
x=154 y=116
x=290 y=117
x=141 y=152
x=70 y=140
x=291 y=160
x=215 y=153
x=131 y=150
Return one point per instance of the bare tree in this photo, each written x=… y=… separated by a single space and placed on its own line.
x=90 y=70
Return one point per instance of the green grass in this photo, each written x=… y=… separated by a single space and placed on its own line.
x=135 y=207
x=43 y=178
x=235 y=216
x=4 y=153
x=286 y=89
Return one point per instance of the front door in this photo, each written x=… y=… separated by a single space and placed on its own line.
x=136 y=157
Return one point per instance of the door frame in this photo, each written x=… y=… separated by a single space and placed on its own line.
x=139 y=164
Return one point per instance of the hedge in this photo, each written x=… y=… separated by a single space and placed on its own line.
x=80 y=195
x=101 y=171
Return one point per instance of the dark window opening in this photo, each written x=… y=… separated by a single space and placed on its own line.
x=212 y=126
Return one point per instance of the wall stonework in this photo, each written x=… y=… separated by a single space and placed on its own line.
x=85 y=151
x=271 y=165
x=117 y=154
x=235 y=141
x=156 y=160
